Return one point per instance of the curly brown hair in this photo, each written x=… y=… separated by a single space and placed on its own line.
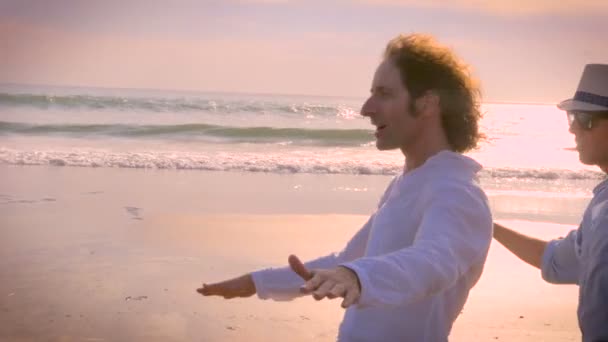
x=425 y=65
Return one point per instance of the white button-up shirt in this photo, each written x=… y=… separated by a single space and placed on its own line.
x=417 y=256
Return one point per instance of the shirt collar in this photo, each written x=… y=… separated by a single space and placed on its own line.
x=600 y=187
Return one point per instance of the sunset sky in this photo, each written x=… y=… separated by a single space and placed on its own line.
x=522 y=51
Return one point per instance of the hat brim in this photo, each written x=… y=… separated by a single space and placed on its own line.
x=578 y=105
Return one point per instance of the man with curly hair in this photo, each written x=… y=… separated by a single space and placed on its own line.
x=406 y=274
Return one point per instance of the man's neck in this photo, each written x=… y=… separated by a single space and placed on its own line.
x=418 y=155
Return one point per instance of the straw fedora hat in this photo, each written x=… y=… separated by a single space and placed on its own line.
x=592 y=91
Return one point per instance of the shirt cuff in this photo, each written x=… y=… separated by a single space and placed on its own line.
x=364 y=299
x=258 y=281
x=546 y=268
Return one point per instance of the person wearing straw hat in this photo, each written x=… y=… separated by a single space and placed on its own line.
x=582 y=256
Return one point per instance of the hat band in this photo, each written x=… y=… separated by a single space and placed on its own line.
x=591 y=98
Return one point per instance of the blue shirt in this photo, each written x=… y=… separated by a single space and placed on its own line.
x=582 y=258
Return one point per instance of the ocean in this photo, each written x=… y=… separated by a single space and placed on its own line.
x=527 y=153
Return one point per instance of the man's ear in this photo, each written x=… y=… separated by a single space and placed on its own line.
x=428 y=104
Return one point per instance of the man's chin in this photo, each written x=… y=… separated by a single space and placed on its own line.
x=384 y=147
x=585 y=160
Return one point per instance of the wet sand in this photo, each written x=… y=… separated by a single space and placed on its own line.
x=116 y=255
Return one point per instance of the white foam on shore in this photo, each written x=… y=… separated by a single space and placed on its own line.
x=314 y=162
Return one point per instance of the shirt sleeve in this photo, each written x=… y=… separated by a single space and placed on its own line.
x=454 y=235
x=283 y=284
x=593 y=306
x=560 y=263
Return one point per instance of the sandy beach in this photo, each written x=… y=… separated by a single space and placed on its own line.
x=116 y=255
x=150 y=147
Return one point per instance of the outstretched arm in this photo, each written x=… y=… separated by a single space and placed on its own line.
x=453 y=237
x=452 y=241
x=283 y=283
x=526 y=248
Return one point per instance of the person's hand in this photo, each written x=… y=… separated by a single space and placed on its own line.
x=332 y=283
x=242 y=286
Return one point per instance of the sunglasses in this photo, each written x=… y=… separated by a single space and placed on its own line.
x=585 y=119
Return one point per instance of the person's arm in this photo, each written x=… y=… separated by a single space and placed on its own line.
x=557 y=259
x=454 y=236
x=526 y=248
x=284 y=284
x=593 y=306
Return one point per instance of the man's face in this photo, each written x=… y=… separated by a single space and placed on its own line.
x=388 y=108
x=592 y=144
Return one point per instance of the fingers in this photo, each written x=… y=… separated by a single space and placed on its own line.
x=323 y=290
x=350 y=298
x=337 y=291
x=312 y=284
x=298 y=267
x=207 y=290
x=330 y=289
x=216 y=290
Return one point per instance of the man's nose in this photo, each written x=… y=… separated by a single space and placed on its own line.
x=368 y=108
x=574 y=128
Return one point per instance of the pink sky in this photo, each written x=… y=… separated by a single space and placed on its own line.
x=522 y=51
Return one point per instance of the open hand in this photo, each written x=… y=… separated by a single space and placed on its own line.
x=330 y=283
x=242 y=286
